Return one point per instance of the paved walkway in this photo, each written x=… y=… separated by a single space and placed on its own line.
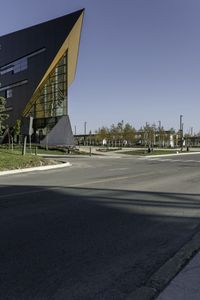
x=186 y=285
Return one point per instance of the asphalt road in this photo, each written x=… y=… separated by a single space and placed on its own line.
x=96 y=230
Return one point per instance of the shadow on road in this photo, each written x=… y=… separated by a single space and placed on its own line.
x=83 y=243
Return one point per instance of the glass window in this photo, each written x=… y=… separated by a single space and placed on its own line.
x=19 y=64
x=6 y=70
x=51 y=100
x=9 y=93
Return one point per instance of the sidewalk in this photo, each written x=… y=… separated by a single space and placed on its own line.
x=186 y=285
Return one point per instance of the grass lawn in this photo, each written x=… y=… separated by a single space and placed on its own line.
x=42 y=150
x=10 y=160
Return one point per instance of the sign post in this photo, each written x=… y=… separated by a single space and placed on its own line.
x=26 y=130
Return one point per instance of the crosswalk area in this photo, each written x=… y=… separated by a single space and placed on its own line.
x=173 y=160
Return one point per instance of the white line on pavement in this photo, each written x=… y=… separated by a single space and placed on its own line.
x=173 y=160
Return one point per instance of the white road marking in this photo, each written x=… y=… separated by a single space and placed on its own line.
x=173 y=160
x=110 y=179
x=77 y=184
x=118 y=169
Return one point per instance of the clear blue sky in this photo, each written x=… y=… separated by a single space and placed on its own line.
x=139 y=60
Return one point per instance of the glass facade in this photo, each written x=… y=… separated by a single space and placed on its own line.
x=51 y=99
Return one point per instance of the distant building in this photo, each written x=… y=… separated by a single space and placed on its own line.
x=37 y=66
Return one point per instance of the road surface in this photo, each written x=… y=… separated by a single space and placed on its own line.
x=96 y=230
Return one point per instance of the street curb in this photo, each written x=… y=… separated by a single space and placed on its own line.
x=62 y=156
x=42 y=168
x=82 y=156
x=162 y=277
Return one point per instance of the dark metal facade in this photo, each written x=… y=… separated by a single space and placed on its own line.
x=25 y=56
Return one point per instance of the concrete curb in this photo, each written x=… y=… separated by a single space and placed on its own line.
x=163 y=276
x=42 y=168
x=64 y=156
x=116 y=155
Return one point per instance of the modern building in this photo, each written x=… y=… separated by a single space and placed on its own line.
x=37 y=66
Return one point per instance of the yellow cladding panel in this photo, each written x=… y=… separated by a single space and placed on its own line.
x=74 y=39
x=71 y=44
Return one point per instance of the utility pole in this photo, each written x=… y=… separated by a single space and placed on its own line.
x=146 y=135
x=85 y=132
x=85 y=128
x=159 y=128
x=181 y=132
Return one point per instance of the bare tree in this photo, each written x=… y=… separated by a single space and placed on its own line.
x=3 y=114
